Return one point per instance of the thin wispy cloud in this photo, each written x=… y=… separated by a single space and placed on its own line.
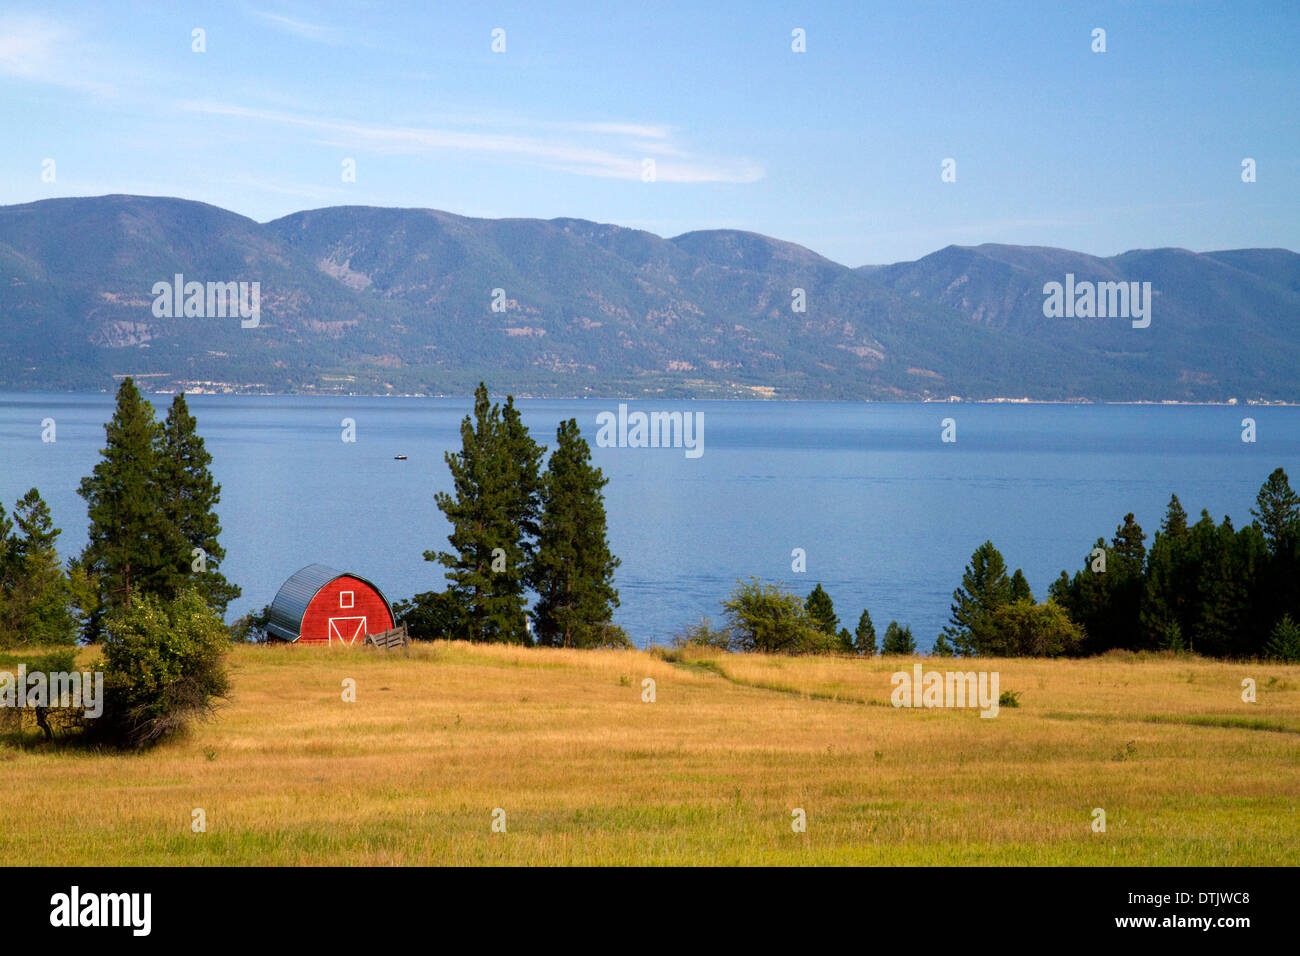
x=295 y=27
x=37 y=50
x=600 y=150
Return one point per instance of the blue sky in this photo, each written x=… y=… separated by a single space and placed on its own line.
x=838 y=148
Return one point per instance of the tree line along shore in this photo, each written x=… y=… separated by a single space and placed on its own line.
x=529 y=562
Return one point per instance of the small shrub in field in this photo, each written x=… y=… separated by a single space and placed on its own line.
x=704 y=634
x=609 y=635
x=1284 y=644
x=1009 y=698
x=164 y=665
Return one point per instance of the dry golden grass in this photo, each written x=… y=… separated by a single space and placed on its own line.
x=709 y=773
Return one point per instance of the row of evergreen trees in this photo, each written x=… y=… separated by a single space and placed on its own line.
x=152 y=531
x=1205 y=587
x=1213 y=589
x=514 y=529
x=821 y=610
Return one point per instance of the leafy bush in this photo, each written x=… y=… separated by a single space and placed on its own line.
x=1025 y=629
x=164 y=665
x=250 y=628
x=767 y=619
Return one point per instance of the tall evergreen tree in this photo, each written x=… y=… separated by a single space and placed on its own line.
x=522 y=457
x=1020 y=587
x=187 y=497
x=1167 y=594
x=1277 y=511
x=864 y=637
x=1277 y=516
x=1174 y=523
x=37 y=609
x=1124 y=585
x=1128 y=541
x=984 y=588
x=1227 y=565
x=1084 y=597
x=846 y=641
x=821 y=609
x=8 y=578
x=127 y=538
x=491 y=513
x=574 y=575
x=1284 y=642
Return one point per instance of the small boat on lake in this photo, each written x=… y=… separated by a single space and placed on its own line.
x=399 y=458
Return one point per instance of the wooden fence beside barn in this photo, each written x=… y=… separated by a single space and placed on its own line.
x=396 y=637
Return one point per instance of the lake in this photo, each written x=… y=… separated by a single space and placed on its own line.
x=887 y=513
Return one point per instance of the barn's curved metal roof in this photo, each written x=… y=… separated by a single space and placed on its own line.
x=284 y=619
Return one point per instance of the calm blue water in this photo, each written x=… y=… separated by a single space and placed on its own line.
x=887 y=513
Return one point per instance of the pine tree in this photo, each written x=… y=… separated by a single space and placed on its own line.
x=1284 y=643
x=522 y=457
x=1227 y=615
x=821 y=609
x=8 y=579
x=984 y=588
x=1277 y=511
x=1123 y=585
x=898 y=640
x=187 y=497
x=941 y=647
x=1127 y=543
x=574 y=574
x=846 y=641
x=864 y=637
x=1175 y=521
x=126 y=536
x=1277 y=516
x=1020 y=587
x=38 y=601
x=491 y=514
x=1167 y=592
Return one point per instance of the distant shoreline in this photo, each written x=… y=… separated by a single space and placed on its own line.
x=525 y=396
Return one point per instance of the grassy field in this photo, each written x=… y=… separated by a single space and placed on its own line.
x=708 y=773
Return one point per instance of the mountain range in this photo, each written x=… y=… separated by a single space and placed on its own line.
x=368 y=300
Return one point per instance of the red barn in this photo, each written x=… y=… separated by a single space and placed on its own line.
x=319 y=605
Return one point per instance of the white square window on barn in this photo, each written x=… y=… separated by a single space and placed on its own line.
x=345 y=599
